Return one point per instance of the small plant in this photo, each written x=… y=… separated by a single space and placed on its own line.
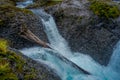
x=102 y=9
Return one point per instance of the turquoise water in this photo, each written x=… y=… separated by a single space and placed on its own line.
x=52 y=57
x=61 y=47
x=24 y=4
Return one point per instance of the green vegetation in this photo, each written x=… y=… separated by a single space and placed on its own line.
x=15 y=66
x=1 y=22
x=103 y=9
x=7 y=2
x=5 y=71
x=12 y=65
x=3 y=45
x=12 y=10
x=9 y=13
x=30 y=76
x=50 y=2
x=40 y=3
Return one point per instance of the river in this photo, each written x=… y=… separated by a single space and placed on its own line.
x=55 y=57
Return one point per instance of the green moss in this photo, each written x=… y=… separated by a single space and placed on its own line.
x=30 y=76
x=52 y=2
x=102 y=9
x=13 y=0
x=6 y=72
x=12 y=65
x=9 y=13
x=40 y=3
x=7 y=2
x=12 y=9
x=3 y=45
x=26 y=11
x=1 y=22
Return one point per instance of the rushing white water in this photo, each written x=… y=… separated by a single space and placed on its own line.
x=115 y=59
x=55 y=39
x=60 y=46
x=64 y=70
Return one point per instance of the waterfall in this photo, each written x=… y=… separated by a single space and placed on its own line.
x=60 y=47
x=24 y=4
x=112 y=71
x=115 y=59
x=57 y=42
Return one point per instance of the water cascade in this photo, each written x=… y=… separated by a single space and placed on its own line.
x=53 y=57
x=24 y=4
x=115 y=59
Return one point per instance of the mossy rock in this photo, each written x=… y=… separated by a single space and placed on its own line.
x=7 y=2
x=6 y=72
x=9 y=13
x=3 y=45
x=13 y=9
x=12 y=65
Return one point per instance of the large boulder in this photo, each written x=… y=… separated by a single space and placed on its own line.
x=84 y=31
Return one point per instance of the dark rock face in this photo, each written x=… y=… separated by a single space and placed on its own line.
x=11 y=29
x=84 y=31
